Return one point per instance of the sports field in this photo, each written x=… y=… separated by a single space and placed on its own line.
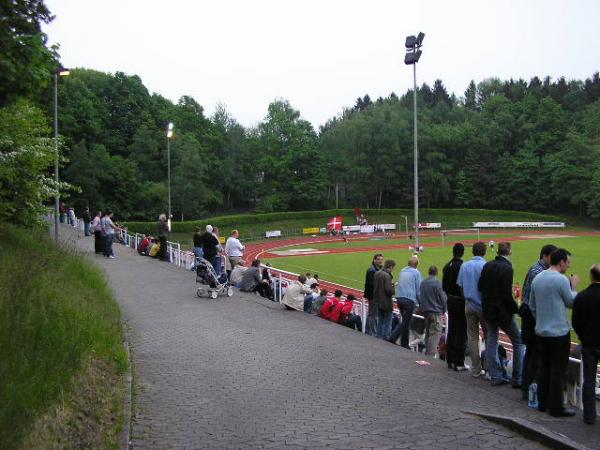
x=346 y=263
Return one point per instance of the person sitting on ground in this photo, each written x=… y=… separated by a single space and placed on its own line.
x=154 y=249
x=253 y=282
x=294 y=295
x=317 y=305
x=348 y=318
x=237 y=273
x=143 y=244
x=330 y=304
x=310 y=298
x=266 y=273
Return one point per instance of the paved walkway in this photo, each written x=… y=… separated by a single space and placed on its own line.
x=242 y=372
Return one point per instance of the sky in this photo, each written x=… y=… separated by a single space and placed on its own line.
x=321 y=55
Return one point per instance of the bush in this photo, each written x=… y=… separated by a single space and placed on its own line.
x=56 y=314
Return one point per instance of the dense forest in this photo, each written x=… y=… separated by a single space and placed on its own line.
x=506 y=144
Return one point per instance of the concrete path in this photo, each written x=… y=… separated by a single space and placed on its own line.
x=242 y=372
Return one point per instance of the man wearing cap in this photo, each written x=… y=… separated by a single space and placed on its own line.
x=209 y=245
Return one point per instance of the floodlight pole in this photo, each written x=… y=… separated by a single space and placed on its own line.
x=57 y=195
x=169 y=173
x=416 y=158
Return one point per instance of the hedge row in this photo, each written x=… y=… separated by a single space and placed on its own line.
x=256 y=224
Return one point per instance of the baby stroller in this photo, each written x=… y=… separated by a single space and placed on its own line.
x=210 y=285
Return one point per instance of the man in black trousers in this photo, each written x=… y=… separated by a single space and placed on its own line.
x=586 y=317
x=456 y=340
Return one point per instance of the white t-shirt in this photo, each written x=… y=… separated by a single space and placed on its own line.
x=234 y=247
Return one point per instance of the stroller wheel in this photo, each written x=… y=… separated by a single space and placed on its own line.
x=229 y=291
x=214 y=294
x=199 y=292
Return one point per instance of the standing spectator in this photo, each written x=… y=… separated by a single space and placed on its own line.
x=234 y=249
x=218 y=265
x=96 y=228
x=252 y=281
x=86 y=221
x=294 y=295
x=407 y=295
x=531 y=360
x=109 y=232
x=63 y=212
x=197 y=249
x=209 y=245
x=383 y=290
x=456 y=341
x=499 y=309
x=468 y=280
x=376 y=264
x=72 y=218
x=433 y=303
x=586 y=317
x=551 y=294
x=163 y=233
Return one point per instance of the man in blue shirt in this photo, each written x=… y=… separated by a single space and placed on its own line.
x=531 y=360
x=468 y=280
x=407 y=295
x=551 y=294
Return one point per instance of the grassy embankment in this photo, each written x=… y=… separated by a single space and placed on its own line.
x=253 y=226
x=61 y=351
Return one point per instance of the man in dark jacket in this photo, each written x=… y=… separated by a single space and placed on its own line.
x=371 y=325
x=456 y=341
x=586 y=316
x=499 y=309
x=209 y=245
x=383 y=290
x=163 y=233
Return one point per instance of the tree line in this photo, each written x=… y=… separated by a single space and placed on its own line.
x=503 y=144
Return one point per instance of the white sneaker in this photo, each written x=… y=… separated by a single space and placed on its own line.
x=478 y=375
x=112 y=257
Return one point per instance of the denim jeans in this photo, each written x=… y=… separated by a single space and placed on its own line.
x=372 y=320
x=86 y=228
x=217 y=265
x=407 y=307
x=384 y=324
x=590 y=357
x=108 y=251
x=491 y=350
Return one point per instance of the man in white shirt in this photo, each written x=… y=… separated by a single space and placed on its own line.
x=234 y=249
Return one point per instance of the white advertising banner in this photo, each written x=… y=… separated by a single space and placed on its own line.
x=430 y=226
x=274 y=233
x=367 y=228
x=351 y=228
x=386 y=226
x=518 y=224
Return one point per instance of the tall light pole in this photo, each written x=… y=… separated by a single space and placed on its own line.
x=169 y=136
x=62 y=72
x=413 y=53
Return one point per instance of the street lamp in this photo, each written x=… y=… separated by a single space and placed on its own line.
x=413 y=53
x=60 y=72
x=169 y=136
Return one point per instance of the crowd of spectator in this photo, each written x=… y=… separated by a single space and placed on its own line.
x=480 y=299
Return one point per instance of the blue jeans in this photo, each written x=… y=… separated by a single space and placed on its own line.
x=491 y=350
x=372 y=320
x=217 y=265
x=86 y=228
x=402 y=330
x=108 y=250
x=384 y=324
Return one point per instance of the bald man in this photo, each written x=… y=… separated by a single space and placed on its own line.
x=407 y=296
x=586 y=317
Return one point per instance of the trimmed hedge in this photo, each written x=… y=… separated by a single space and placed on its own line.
x=255 y=225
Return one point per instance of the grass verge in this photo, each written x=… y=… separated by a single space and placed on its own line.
x=60 y=346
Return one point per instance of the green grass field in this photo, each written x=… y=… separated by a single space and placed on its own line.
x=349 y=269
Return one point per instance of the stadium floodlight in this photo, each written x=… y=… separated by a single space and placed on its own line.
x=413 y=54
x=60 y=72
x=169 y=136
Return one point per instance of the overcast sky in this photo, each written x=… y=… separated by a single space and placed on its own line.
x=321 y=55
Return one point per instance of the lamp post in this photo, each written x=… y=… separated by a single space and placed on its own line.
x=62 y=72
x=169 y=136
x=413 y=53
